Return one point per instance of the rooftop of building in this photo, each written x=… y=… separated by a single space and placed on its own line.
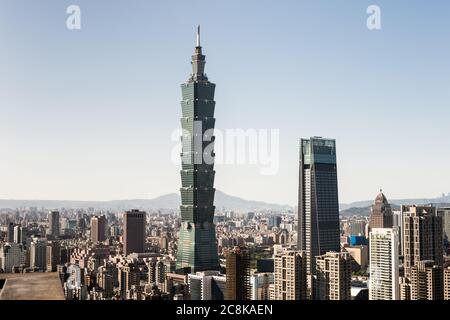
x=381 y=198
x=31 y=286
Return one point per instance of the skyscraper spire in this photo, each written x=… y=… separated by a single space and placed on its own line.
x=198 y=61
x=198 y=36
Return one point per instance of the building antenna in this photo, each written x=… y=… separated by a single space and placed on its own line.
x=198 y=36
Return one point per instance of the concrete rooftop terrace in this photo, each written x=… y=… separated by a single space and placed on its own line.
x=31 y=286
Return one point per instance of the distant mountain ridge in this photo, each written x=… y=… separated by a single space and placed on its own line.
x=169 y=201
x=222 y=201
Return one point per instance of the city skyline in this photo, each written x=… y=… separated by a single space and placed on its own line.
x=96 y=123
x=87 y=127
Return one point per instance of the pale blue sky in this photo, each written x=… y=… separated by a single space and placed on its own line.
x=88 y=114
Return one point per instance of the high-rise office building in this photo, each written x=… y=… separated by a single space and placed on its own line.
x=98 y=229
x=176 y=285
x=65 y=252
x=81 y=223
x=197 y=244
x=128 y=276
x=10 y=231
x=318 y=206
x=356 y=227
x=422 y=236
x=398 y=223
x=105 y=281
x=333 y=276
x=18 y=234
x=74 y=276
x=427 y=281
x=134 y=224
x=73 y=287
x=160 y=271
x=114 y=231
x=290 y=276
x=38 y=254
x=53 y=255
x=381 y=213
x=445 y=214
x=274 y=221
x=218 y=287
x=238 y=275
x=151 y=266
x=163 y=267
x=384 y=264
x=11 y=255
x=68 y=227
x=207 y=285
x=53 y=224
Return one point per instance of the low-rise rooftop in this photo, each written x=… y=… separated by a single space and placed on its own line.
x=31 y=286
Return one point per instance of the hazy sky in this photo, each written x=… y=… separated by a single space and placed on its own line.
x=88 y=114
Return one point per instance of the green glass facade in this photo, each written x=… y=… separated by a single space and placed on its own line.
x=197 y=244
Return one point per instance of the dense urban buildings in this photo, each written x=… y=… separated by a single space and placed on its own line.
x=197 y=247
x=134 y=224
x=102 y=270
x=318 y=205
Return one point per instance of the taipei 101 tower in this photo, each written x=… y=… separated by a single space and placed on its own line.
x=197 y=244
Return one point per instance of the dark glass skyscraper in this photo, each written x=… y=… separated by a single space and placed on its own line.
x=134 y=225
x=197 y=245
x=53 y=224
x=318 y=205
